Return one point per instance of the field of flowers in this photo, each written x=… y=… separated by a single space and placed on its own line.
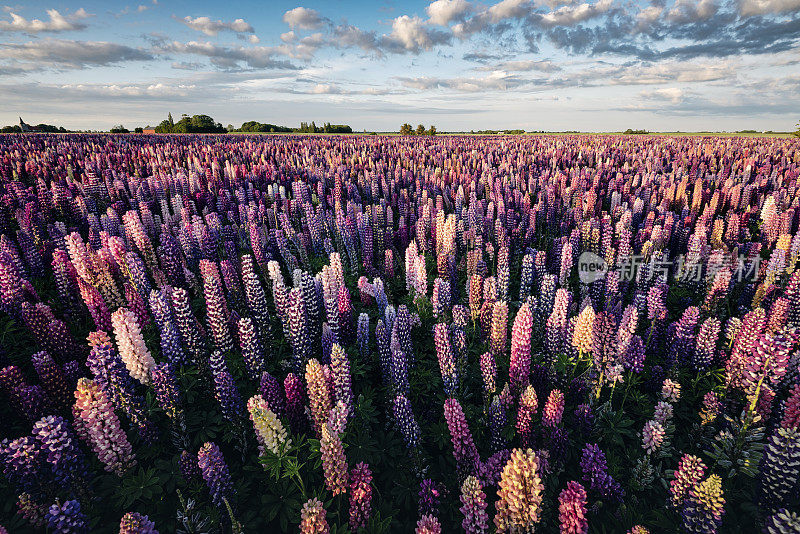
x=386 y=334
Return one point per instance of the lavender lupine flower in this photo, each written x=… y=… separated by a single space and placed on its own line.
x=683 y=345
x=24 y=466
x=171 y=344
x=782 y=522
x=706 y=343
x=652 y=436
x=255 y=297
x=572 y=509
x=252 y=349
x=189 y=468
x=298 y=325
x=447 y=364
x=225 y=390
x=136 y=523
x=66 y=461
x=67 y=518
x=215 y=473
x=340 y=368
x=402 y=329
x=362 y=336
x=464 y=449
x=406 y=422
x=384 y=351
x=473 y=507
x=166 y=388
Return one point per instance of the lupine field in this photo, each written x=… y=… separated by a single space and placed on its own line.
x=207 y=334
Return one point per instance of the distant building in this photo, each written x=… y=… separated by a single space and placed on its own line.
x=25 y=127
x=149 y=130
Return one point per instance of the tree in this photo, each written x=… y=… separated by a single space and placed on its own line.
x=169 y=119
x=406 y=129
x=138 y=129
x=431 y=130
x=119 y=129
x=420 y=130
x=797 y=133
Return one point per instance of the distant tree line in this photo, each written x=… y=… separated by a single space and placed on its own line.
x=326 y=128
x=495 y=132
x=635 y=132
x=260 y=127
x=187 y=124
x=407 y=129
x=45 y=128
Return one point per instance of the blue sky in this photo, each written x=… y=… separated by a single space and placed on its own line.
x=592 y=65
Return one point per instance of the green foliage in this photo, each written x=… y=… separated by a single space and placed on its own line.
x=187 y=124
x=635 y=132
x=119 y=129
x=406 y=129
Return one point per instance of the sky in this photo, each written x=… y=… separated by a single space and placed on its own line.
x=593 y=65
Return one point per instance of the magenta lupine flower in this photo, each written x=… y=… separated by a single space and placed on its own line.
x=215 y=473
x=67 y=518
x=346 y=318
x=689 y=472
x=473 y=507
x=136 y=523
x=572 y=509
x=791 y=410
x=428 y=524
x=340 y=368
x=295 y=394
x=94 y=415
x=429 y=495
x=137 y=305
x=360 y=496
x=464 y=450
x=519 y=366
x=553 y=408
x=447 y=364
x=312 y=518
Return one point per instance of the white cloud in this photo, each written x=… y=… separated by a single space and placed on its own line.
x=213 y=27
x=413 y=34
x=687 y=11
x=570 y=15
x=303 y=18
x=443 y=12
x=670 y=94
x=522 y=66
x=496 y=81
x=58 y=53
x=749 y=8
x=56 y=23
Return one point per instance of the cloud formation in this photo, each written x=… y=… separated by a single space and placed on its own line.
x=214 y=27
x=303 y=19
x=55 y=23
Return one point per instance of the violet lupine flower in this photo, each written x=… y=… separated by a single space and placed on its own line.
x=189 y=468
x=215 y=473
x=362 y=336
x=270 y=389
x=384 y=351
x=188 y=325
x=791 y=410
x=704 y=507
x=94 y=415
x=360 y=496
x=137 y=305
x=171 y=344
x=429 y=496
x=473 y=507
x=33 y=512
x=298 y=327
x=520 y=363
x=404 y=417
x=66 y=461
x=447 y=364
x=166 y=387
x=489 y=471
x=553 y=408
x=584 y=419
x=488 y=373
x=295 y=394
x=52 y=378
x=706 y=344
x=595 y=473
x=252 y=349
x=24 y=465
x=225 y=390
x=683 y=344
x=497 y=423
x=782 y=522
x=398 y=367
x=136 y=523
x=464 y=450
x=67 y=518
x=402 y=329
x=312 y=518
x=711 y=408
x=572 y=509
x=342 y=386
